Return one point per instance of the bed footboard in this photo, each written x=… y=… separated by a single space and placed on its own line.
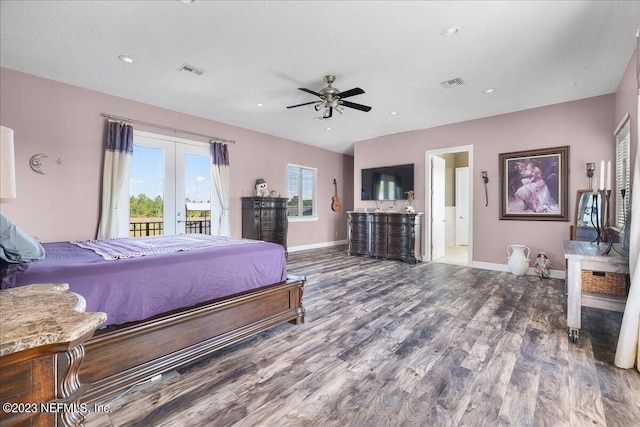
x=117 y=359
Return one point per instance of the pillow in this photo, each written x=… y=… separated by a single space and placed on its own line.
x=16 y=245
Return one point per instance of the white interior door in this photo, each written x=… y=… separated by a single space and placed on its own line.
x=437 y=207
x=462 y=206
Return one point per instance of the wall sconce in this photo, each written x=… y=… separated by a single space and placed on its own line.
x=7 y=164
x=591 y=168
x=485 y=179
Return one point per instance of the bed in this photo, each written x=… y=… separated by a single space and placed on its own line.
x=168 y=306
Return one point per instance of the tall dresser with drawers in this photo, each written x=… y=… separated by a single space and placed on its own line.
x=392 y=235
x=265 y=218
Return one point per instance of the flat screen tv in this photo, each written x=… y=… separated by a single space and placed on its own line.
x=387 y=183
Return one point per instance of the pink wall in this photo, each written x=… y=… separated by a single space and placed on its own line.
x=64 y=122
x=627 y=102
x=586 y=126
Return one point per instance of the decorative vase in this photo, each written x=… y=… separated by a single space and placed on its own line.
x=518 y=259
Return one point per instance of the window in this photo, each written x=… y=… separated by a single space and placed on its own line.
x=623 y=174
x=301 y=187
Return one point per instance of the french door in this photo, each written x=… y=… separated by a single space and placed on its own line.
x=170 y=186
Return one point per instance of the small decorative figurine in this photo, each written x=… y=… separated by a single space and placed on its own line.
x=410 y=208
x=261 y=188
x=543 y=265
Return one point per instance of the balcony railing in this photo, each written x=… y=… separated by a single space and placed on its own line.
x=139 y=227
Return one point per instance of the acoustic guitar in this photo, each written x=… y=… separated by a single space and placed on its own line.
x=335 y=201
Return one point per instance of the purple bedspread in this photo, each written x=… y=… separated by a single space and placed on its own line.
x=137 y=288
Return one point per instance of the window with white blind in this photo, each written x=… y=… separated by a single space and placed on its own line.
x=301 y=188
x=623 y=174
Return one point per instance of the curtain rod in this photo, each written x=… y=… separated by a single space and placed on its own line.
x=125 y=119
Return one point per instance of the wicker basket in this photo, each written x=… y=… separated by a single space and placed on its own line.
x=604 y=282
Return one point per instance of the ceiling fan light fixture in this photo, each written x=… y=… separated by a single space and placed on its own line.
x=331 y=97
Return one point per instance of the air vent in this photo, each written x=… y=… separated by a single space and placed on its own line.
x=191 y=69
x=452 y=83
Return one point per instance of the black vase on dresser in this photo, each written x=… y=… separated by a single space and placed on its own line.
x=265 y=218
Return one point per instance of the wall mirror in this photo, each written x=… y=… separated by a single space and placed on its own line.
x=588 y=217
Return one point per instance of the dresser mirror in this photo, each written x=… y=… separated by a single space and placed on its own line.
x=588 y=217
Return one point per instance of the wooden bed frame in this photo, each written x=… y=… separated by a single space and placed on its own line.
x=118 y=358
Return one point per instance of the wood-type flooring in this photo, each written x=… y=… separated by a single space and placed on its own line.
x=391 y=344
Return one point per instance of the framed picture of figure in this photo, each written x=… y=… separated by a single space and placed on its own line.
x=534 y=184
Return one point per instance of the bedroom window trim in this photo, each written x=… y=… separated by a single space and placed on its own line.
x=299 y=190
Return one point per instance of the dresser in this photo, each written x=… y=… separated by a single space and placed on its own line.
x=265 y=218
x=391 y=235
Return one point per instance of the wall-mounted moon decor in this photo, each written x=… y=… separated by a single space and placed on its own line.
x=35 y=163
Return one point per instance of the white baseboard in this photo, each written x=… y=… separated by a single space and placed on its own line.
x=316 y=245
x=554 y=274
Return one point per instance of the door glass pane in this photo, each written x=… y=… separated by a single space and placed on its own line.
x=197 y=181
x=146 y=186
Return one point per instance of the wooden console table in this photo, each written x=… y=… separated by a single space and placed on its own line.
x=41 y=335
x=588 y=256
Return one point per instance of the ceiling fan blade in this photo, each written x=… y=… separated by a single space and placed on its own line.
x=300 y=105
x=351 y=92
x=311 y=92
x=360 y=107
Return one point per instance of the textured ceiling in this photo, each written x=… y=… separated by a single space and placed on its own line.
x=533 y=53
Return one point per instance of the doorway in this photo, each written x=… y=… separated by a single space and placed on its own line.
x=448 y=235
x=170 y=186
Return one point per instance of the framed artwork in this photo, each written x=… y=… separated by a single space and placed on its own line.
x=534 y=184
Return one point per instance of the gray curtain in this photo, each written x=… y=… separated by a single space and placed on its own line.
x=220 y=178
x=117 y=160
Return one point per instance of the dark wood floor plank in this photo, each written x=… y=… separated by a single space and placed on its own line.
x=387 y=343
x=585 y=397
x=490 y=385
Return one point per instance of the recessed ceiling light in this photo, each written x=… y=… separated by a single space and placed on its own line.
x=393 y=113
x=259 y=104
x=188 y=1
x=450 y=31
x=126 y=59
x=490 y=90
x=329 y=128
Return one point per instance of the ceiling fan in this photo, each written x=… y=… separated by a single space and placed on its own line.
x=331 y=98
